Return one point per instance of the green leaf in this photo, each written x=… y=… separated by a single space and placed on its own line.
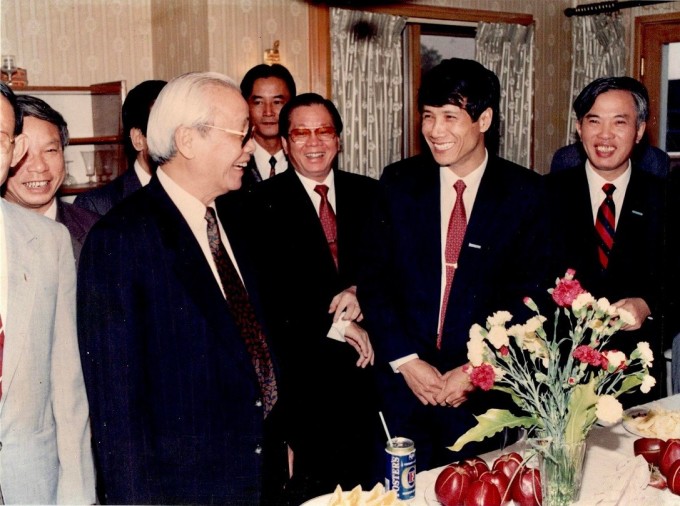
x=580 y=411
x=491 y=422
x=628 y=383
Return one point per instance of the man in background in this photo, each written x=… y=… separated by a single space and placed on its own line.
x=136 y=110
x=266 y=88
x=46 y=457
x=34 y=182
x=181 y=382
x=457 y=237
x=608 y=214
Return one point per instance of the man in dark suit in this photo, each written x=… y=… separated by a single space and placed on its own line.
x=309 y=269
x=417 y=312
x=136 y=110
x=622 y=259
x=178 y=370
x=34 y=182
x=267 y=88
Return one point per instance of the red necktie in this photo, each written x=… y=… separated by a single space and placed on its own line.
x=454 y=241
x=2 y=350
x=328 y=222
x=272 y=163
x=605 y=225
x=244 y=314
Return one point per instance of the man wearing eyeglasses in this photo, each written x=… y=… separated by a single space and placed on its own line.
x=44 y=429
x=181 y=380
x=309 y=223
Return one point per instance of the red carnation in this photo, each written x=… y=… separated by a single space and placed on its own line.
x=483 y=377
x=588 y=355
x=567 y=290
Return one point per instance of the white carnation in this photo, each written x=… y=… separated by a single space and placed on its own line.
x=534 y=323
x=499 y=318
x=582 y=300
x=475 y=353
x=609 y=410
x=626 y=316
x=647 y=383
x=615 y=359
x=498 y=337
x=604 y=306
x=645 y=352
x=476 y=332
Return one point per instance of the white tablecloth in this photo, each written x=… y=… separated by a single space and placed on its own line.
x=612 y=475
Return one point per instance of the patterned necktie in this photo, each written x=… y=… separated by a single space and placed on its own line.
x=454 y=241
x=272 y=164
x=2 y=350
x=244 y=314
x=605 y=225
x=328 y=222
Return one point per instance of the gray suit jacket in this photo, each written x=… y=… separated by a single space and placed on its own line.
x=46 y=456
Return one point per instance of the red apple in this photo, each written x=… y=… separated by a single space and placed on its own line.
x=482 y=493
x=670 y=452
x=649 y=448
x=501 y=481
x=452 y=485
x=673 y=478
x=508 y=464
x=526 y=490
x=477 y=464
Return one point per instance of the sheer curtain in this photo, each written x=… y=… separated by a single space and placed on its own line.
x=599 y=50
x=367 y=84
x=508 y=50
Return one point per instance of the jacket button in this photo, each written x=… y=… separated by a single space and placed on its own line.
x=258 y=449
x=258 y=403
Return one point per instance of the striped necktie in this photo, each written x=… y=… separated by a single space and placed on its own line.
x=605 y=225
x=328 y=221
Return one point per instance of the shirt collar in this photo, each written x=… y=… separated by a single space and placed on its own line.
x=143 y=176
x=472 y=180
x=596 y=182
x=51 y=211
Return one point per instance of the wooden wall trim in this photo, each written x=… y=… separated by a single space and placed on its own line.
x=320 y=50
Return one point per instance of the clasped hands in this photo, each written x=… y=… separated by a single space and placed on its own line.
x=434 y=388
x=346 y=306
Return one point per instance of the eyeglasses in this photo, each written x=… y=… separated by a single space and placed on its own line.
x=6 y=143
x=302 y=135
x=244 y=135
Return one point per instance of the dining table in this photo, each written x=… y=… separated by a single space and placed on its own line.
x=612 y=474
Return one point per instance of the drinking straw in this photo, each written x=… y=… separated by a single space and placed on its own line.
x=387 y=432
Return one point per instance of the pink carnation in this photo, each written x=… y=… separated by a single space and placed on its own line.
x=591 y=356
x=567 y=290
x=483 y=376
x=505 y=351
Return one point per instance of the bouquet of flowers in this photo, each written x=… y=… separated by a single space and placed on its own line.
x=562 y=384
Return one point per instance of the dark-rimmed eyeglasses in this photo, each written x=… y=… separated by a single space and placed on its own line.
x=302 y=135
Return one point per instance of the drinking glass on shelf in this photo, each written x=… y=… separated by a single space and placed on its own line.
x=88 y=159
x=9 y=67
x=69 y=179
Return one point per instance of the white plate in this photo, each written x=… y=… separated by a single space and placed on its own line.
x=631 y=414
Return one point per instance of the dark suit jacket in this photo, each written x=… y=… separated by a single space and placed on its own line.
x=100 y=200
x=501 y=261
x=78 y=222
x=251 y=176
x=174 y=399
x=636 y=263
x=324 y=389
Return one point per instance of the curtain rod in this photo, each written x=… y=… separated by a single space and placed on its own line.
x=605 y=7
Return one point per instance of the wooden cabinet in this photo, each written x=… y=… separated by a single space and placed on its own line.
x=93 y=114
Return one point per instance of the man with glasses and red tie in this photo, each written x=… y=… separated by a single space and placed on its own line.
x=310 y=222
x=182 y=383
x=457 y=237
x=608 y=214
x=44 y=428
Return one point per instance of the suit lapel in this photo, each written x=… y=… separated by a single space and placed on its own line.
x=22 y=248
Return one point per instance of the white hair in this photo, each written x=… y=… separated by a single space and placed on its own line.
x=182 y=102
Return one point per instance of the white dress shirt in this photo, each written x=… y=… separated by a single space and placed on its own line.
x=193 y=212
x=143 y=176
x=597 y=196
x=51 y=211
x=447 y=199
x=262 y=157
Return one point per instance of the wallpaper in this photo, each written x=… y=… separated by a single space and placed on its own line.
x=79 y=42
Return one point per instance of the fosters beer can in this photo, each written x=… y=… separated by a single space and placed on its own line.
x=400 y=471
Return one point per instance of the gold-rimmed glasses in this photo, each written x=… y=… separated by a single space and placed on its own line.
x=6 y=143
x=244 y=135
x=302 y=135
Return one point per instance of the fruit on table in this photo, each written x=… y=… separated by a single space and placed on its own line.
x=452 y=485
x=477 y=465
x=670 y=452
x=649 y=448
x=482 y=493
x=673 y=477
x=508 y=464
x=526 y=490
x=502 y=483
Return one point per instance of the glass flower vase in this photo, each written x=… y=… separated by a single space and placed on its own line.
x=561 y=467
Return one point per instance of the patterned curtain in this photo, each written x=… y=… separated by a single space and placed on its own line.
x=508 y=50
x=599 y=50
x=367 y=84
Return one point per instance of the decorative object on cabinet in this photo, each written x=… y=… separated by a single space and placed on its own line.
x=93 y=114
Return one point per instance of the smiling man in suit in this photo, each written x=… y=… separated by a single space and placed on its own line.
x=456 y=237
x=45 y=456
x=177 y=366
x=608 y=213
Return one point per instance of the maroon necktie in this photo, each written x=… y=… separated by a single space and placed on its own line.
x=454 y=241
x=328 y=222
x=244 y=314
x=2 y=350
x=605 y=225
x=272 y=164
